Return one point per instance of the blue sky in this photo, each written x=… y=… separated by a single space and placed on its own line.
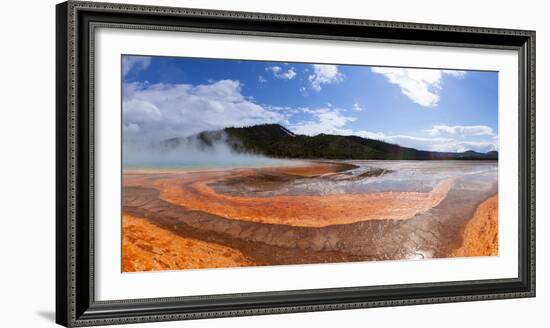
x=442 y=110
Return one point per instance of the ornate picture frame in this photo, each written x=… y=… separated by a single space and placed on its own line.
x=77 y=23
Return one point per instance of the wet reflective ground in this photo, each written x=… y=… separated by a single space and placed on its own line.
x=366 y=177
x=365 y=210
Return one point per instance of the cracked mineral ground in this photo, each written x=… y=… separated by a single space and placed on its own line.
x=308 y=212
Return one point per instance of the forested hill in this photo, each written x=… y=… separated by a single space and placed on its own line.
x=274 y=140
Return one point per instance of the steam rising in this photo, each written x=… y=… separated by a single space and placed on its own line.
x=191 y=152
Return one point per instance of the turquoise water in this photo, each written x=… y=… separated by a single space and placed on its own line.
x=251 y=162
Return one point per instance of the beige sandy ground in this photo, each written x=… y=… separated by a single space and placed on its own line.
x=480 y=234
x=146 y=247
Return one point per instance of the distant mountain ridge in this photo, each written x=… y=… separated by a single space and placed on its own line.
x=274 y=140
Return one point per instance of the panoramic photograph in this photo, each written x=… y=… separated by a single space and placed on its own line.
x=237 y=163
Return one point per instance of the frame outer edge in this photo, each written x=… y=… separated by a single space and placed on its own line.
x=70 y=119
x=72 y=171
x=533 y=164
x=61 y=103
x=191 y=12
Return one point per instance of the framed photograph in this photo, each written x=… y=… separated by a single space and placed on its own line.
x=215 y=164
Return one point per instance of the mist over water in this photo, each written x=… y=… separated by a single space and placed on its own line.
x=192 y=153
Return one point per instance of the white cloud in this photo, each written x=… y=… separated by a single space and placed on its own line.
x=460 y=130
x=332 y=120
x=261 y=79
x=153 y=112
x=422 y=86
x=443 y=144
x=462 y=146
x=290 y=74
x=303 y=92
x=433 y=143
x=324 y=74
x=454 y=73
x=324 y=120
x=279 y=73
x=134 y=63
x=357 y=108
x=131 y=128
x=139 y=111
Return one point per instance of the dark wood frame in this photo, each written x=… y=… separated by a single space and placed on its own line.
x=75 y=302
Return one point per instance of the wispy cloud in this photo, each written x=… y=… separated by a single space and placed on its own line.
x=324 y=74
x=443 y=144
x=460 y=130
x=327 y=120
x=332 y=120
x=154 y=112
x=357 y=108
x=422 y=86
x=435 y=143
x=134 y=63
x=462 y=146
x=280 y=73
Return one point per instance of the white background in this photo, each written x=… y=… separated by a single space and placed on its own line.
x=111 y=43
x=27 y=165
